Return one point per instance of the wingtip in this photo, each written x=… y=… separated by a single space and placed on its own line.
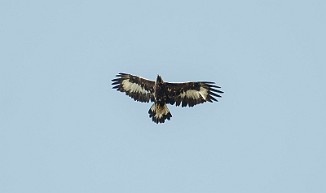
x=214 y=85
x=120 y=74
x=115 y=80
x=115 y=87
x=123 y=73
x=208 y=82
x=214 y=94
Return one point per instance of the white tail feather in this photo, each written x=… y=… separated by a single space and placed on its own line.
x=159 y=113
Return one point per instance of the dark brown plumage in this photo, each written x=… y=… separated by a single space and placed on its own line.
x=162 y=93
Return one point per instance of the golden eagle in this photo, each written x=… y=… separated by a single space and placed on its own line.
x=162 y=93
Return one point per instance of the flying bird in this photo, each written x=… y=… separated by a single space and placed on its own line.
x=163 y=93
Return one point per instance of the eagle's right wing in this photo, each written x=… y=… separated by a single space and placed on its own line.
x=140 y=89
x=192 y=93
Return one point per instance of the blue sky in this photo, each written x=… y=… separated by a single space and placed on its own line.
x=63 y=129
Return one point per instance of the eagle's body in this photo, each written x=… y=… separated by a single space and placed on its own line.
x=163 y=93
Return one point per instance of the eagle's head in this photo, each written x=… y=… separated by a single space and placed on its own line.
x=159 y=80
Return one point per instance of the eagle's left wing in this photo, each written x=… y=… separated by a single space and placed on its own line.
x=140 y=89
x=191 y=93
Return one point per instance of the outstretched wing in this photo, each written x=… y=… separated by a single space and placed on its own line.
x=191 y=93
x=140 y=89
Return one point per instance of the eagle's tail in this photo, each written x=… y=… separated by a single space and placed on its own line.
x=159 y=113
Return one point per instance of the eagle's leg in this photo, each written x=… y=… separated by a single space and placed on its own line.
x=159 y=112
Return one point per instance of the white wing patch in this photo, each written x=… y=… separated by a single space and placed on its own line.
x=195 y=94
x=203 y=92
x=133 y=87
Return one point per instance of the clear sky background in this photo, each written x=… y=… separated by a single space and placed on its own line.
x=64 y=129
